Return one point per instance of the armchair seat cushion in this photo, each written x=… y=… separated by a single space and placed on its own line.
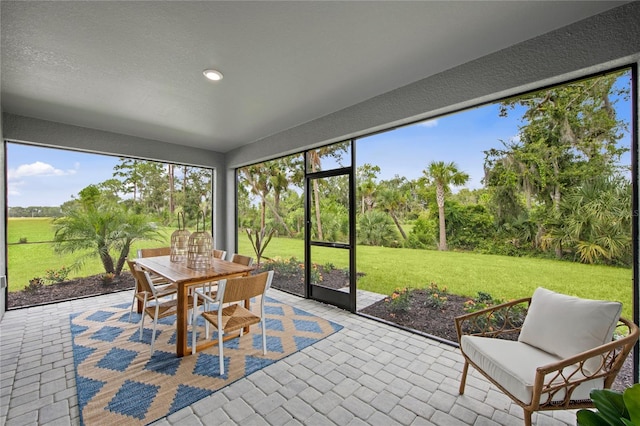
x=513 y=366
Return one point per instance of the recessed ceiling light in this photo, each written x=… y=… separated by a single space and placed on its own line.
x=212 y=75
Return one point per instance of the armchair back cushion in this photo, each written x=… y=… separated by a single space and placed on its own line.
x=565 y=325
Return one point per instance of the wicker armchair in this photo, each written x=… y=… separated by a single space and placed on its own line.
x=540 y=350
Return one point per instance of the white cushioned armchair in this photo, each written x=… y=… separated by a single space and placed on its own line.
x=548 y=351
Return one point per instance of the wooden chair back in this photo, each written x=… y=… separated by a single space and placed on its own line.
x=243 y=288
x=152 y=252
x=242 y=260
x=142 y=279
x=219 y=254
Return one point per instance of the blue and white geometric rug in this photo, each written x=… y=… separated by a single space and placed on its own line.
x=118 y=381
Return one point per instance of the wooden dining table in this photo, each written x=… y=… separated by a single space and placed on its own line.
x=185 y=278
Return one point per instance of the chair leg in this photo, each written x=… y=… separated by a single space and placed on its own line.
x=527 y=417
x=141 y=326
x=132 y=305
x=264 y=338
x=194 y=324
x=220 y=352
x=155 y=322
x=153 y=335
x=463 y=379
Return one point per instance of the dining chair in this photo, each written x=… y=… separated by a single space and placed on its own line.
x=235 y=316
x=210 y=288
x=157 y=303
x=219 y=254
x=160 y=283
x=156 y=251
x=152 y=252
x=242 y=259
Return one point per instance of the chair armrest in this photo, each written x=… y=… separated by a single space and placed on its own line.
x=165 y=292
x=197 y=294
x=567 y=374
x=506 y=318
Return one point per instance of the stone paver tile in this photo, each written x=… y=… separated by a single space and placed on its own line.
x=444 y=419
x=319 y=420
x=381 y=419
x=237 y=409
x=385 y=401
x=442 y=401
x=341 y=416
x=298 y=409
x=28 y=418
x=279 y=416
x=359 y=408
x=215 y=417
x=54 y=411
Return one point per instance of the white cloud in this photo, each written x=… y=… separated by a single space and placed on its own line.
x=429 y=123
x=37 y=169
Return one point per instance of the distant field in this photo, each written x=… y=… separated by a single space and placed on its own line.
x=385 y=268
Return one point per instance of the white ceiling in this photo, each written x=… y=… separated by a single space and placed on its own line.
x=136 y=67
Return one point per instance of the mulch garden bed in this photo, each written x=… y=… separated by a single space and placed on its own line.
x=419 y=316
x=69 y=290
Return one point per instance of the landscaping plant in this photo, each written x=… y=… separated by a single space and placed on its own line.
x=613 y=408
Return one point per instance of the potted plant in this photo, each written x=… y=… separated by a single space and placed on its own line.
x=613 y=408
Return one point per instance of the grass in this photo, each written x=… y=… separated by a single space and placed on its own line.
x=26 y=261
x=466 y=274
x=385 y=269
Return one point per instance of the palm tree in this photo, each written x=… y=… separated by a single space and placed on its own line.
x=392 y=198
x=442 y=175
x=595 y=221
x=100 y=229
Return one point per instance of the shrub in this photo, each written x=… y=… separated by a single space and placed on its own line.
x=400 y=299
x=514 y=316
x=377 y=229
x=437 y=296
x=107 y=278
x=329 y=266
x=423 y=234
x=35 y=284
x=291 y=267
x=57 y=276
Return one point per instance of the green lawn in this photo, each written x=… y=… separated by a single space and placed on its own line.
x=26 y=261
x=467 y=273
x=385 y=268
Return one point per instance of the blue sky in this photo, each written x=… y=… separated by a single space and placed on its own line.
x=49 y=177
x=460 y=138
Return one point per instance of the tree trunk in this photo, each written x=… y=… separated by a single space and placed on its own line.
x=123 y=255
x=316 y=192
x=556 y=207
x=279 y=219
x=443 y=230
x=556 y=204
x=106 y=260
x=395 y=220
x=263 y=213
x=172 y=205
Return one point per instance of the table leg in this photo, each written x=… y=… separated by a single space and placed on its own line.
x=181 y=324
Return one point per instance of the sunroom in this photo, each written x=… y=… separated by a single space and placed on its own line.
x=126 y=80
